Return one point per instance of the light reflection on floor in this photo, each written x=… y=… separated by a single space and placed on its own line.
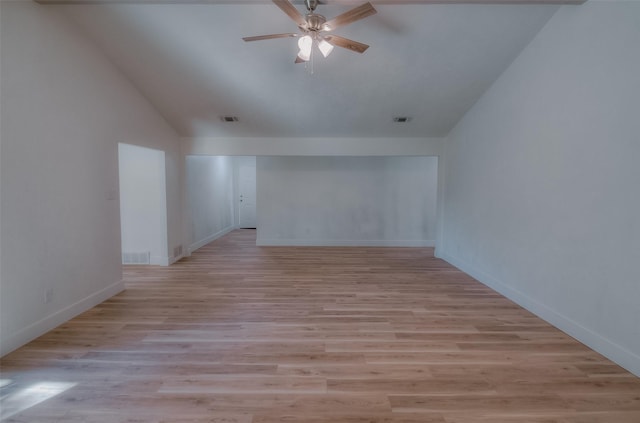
x=15 y=398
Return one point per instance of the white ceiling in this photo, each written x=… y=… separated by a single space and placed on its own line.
x=430 y=62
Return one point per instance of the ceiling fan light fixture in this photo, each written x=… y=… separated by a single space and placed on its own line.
x=305 y=43
x=304 y=57
x=325 y=48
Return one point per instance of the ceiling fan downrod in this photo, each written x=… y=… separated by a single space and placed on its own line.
x=311 y=5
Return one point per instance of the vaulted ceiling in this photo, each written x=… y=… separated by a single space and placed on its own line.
x=429 y=62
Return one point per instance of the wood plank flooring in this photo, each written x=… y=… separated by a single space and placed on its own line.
x=243 y=334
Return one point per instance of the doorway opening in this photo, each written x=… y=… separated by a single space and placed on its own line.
x=221 y=196
x=143 y=205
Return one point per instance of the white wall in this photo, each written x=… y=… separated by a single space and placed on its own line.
x=346 y=200
x=210 y=192
x=542 y=197
x=314 y=146
x=143 y=202
x=64 y=110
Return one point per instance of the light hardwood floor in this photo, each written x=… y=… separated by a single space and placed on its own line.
x=239 y=333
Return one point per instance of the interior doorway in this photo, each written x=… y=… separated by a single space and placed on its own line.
x=143 y=205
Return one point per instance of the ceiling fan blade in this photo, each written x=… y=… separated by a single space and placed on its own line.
x=346 y=43
x=290 y=9
x=270 y=36
x=352 y=15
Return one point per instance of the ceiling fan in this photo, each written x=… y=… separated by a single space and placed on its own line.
x=316 y=29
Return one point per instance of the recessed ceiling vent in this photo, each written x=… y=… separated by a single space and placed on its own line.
x=229 y=118
x=401 y=119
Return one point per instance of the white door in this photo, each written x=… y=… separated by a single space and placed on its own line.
x=247 y=193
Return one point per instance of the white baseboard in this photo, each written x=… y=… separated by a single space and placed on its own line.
x=172 y=260
x=193 y=247
x=593 y=340
x=57 y=318
x=273 y=242
x=158 y=261
x=164 y=261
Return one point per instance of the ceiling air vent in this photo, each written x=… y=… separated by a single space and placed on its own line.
x=401 y=119
x=229 y=118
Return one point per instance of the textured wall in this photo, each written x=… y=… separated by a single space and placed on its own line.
x=346 y=200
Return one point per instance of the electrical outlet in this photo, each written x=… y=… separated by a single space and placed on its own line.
x=48 y=295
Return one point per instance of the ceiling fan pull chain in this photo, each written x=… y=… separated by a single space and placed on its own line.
x=309 y=64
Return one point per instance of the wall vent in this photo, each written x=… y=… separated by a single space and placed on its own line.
x=177 y=251
x=136 y=258
x=401 y=119
x=229 y=118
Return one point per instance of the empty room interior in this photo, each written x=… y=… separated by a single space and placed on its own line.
x=320 y=211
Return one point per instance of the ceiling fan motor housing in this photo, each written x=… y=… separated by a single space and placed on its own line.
x=315 y=22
